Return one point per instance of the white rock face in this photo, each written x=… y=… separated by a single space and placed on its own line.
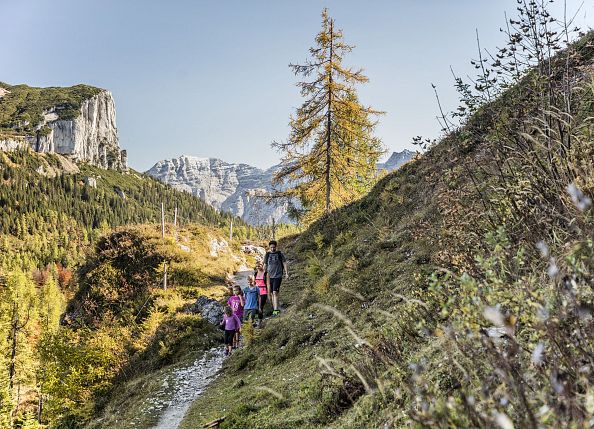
x=92 y=136
x=228 y=187
x=7 y=144
x=91 y=182
x=217 y=246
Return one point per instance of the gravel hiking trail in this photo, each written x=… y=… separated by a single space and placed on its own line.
x=189 y=382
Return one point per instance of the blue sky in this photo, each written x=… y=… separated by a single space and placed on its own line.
x=210 y=78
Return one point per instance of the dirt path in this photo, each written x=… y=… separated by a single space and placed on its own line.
x=241 y=277
x=189 y=382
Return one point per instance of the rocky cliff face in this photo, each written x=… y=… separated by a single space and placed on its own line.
x=236 y=188
x=11 y=143
x=89 y=134
x=92 y=136
x=228 y=187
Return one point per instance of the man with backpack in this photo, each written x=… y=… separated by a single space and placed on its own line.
x=275 y=264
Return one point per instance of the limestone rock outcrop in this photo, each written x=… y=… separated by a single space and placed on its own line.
x=10 y=143
x=92 y=136
x=396 y=160
x=210 y=309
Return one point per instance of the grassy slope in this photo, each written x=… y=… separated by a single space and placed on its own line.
x=71 y=195
x=385 y=243
x=361 y=309
x=168 y=336
x=49 y=215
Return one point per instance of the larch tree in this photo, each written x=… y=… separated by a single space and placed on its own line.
x=330 y=156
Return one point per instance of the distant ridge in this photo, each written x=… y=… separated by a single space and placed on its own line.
x=396 y=160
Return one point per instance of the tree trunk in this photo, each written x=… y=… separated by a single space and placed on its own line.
x=13 y=333
x=273 y=229
x=329 y=120
x=40 y=407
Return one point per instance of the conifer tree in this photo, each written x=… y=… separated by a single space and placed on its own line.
x=18 y=300
x=330 y=156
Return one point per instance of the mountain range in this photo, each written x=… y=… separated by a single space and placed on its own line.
x=79 y=123
x=237 y=188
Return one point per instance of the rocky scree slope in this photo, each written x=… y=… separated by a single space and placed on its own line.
x=78 y=122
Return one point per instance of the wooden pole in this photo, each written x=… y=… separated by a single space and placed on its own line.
x=175 y=216
x=273 y=229
x=162 y=220
x=40 y=406
x=163 y=236
x=231 y=231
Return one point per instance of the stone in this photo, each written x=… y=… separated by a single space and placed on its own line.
x=217 y=246
x=228 y=187
x=210 y=309
x=396 y=160
x=86 y=137
x=121 y=193
x=91 y=182
x=9 y=143
x=90 y=137
x=124 y=159
x=250 y=249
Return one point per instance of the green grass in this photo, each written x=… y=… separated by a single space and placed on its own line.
x=132 y=403
x=129 y=403
x=353 y=261
x=363 y=342
x=138 y=331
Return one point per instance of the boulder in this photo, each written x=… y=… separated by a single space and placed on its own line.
x=91 y=182
x=210 y=309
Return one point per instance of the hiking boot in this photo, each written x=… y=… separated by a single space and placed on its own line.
x=276 y=312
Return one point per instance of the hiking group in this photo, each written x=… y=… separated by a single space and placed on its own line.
x=245 y=304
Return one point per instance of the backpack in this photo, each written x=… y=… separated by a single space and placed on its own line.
x=278 y=258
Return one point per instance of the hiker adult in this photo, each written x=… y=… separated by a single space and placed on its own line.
x=275 y=264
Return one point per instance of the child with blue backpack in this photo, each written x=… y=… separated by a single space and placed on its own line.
x=252 y=300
